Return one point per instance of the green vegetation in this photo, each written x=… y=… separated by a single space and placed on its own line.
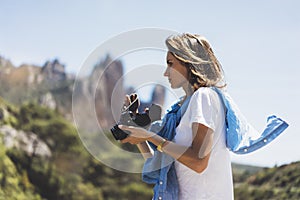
x=8 y=113
x=242 y=172
x=269 y=183
x=14 y=185
x=72 y=173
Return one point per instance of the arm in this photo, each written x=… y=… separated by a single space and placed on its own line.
x=195 y=157
x=145 y=150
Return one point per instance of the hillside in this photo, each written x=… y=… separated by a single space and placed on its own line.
x=67 y=172
x=269 y=183
x=33 y=175
x=242 y=172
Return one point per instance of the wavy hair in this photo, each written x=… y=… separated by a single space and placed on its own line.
x=195 y=53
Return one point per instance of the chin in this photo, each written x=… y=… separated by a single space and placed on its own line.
x=174 y=86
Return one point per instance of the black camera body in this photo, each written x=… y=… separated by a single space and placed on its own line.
x=143 y=120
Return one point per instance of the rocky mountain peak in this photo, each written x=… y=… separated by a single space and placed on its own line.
x=54 y=70
x=5 y=65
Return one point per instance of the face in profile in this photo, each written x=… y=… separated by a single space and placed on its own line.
x=176 y=72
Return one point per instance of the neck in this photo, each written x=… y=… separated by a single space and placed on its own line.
x=188 y=90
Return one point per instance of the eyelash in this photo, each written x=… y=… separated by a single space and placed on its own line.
x=169 y=63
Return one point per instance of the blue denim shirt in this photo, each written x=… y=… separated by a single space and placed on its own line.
x=160 y=169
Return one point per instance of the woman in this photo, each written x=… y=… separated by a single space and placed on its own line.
x=202 y=162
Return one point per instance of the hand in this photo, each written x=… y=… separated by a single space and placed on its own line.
x=137 y=134
x=129 y=99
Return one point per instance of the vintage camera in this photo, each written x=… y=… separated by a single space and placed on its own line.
x=129 y=117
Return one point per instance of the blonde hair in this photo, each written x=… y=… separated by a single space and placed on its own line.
x=195 y=52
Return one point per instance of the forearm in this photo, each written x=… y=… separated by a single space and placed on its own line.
x=145 y=150
x=185 y=155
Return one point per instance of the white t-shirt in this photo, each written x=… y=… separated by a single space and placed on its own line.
x=215 y=182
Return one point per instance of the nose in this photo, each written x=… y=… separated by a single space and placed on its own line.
x=166 y=73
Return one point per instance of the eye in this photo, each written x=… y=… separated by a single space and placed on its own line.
x=169 y=63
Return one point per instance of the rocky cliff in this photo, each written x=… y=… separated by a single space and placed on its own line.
x=101 y=92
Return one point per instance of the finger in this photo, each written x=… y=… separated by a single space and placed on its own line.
x=131 y=140
x=124 y=127
x=127 y=100
x=125 y=140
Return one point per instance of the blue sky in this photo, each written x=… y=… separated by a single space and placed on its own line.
x=257 y=43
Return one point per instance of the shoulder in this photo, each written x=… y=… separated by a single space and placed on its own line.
x=203 y=107
x=203 y=92
x=205 y=97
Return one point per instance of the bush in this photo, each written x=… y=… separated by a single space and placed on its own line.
x=136 y=191
x=14 y=185
x=71 y=172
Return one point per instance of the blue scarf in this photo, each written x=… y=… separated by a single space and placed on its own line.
x=241 y=137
